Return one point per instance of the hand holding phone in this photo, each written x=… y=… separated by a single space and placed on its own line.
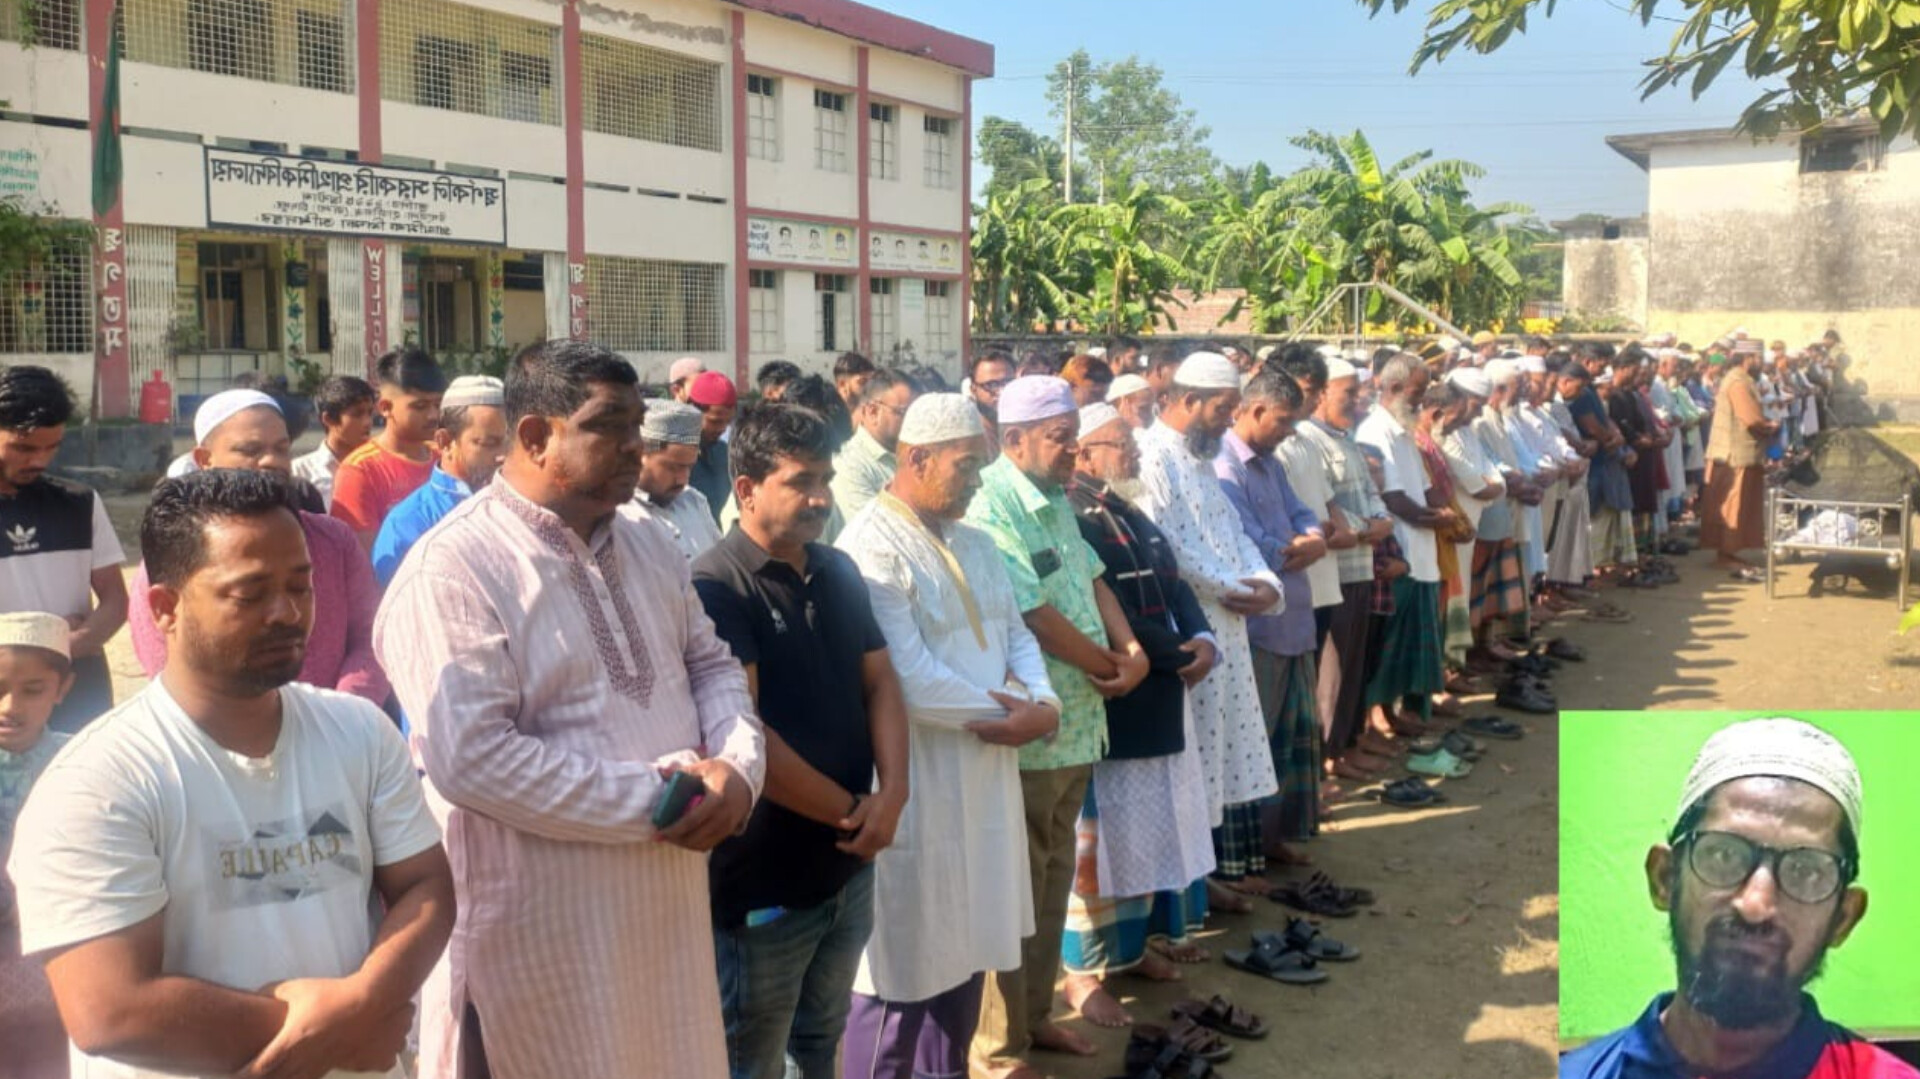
x=682 y=790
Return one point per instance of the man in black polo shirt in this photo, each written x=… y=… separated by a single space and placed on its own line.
x=793 y=894
x=58 y=553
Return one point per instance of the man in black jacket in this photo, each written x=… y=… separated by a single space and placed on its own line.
x=1146 y=843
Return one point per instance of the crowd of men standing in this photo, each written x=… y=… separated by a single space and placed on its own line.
x=832 y=727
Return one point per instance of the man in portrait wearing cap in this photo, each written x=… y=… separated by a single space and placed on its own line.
x=1091 y=654
x=680 y=376
x=1758 y=879
x=58 y=551
x=1179 y=491
x=952 y=896
x=470 y=444
x=395 y=462
x=1132 y=397
x=712 y=393
x=669 y=448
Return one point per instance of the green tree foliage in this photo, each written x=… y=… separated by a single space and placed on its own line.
x=1127 y=125
x=1822 y=58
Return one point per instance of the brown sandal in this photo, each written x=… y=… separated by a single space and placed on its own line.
x=1221 y=1014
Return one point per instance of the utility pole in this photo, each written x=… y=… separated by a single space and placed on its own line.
x=1072 y=92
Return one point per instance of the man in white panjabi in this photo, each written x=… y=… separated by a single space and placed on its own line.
x=1180 y=493
x=951 y=895
x=557 y=666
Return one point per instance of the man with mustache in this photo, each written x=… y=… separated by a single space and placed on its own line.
x=1758 y=879
x=557 y=669
x=1179 y=491
x=58 y=552
x=793 y=894
x=669 y=448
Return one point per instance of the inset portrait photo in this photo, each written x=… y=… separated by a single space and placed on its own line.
x=1738 y=895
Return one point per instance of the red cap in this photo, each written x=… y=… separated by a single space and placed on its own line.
x=711 y=388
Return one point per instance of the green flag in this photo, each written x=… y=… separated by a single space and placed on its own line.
x=107 y=166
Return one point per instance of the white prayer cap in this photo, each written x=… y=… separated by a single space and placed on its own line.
x=934 y=418
x=1126 y=385
x=1501 y=373
x=1365 y=374
x=223 y=406
x=1533 y=365
x=34 y=629
x=1775 y=747
x=1098 y=352
x=1032 y=398
x=1664 y=353
x=1207 y=371
x=1338 y=369
x=1471 y=381
x=671 y=422
x=685 y=367
x=1097 y=415
x=469 y=391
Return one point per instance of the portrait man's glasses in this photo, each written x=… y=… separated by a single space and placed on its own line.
x=1726 y=860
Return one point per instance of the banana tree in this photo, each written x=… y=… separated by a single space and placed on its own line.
x=1133 y=250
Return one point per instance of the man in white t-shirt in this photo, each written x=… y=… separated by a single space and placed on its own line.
x=197 y=870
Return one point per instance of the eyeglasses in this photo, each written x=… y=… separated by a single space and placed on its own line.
x=890 y=408
x=1726 y=860
x=1115 y=442
x=995 y=386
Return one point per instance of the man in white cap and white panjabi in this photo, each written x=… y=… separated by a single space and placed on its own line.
x=669 y=446
x=469 y=446
x=1782 y=795
x=1480 y=482
x=1180 y=492
x=1091 y=653
x=953 y=892
x=1132 y=397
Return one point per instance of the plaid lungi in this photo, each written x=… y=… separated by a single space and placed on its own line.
x=1104 y=934
x=1292 y=711
x=1410 y=659
x=1456 y=610
x=1499 y=586
x=1238 y=849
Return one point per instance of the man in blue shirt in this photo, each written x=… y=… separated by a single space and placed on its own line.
x=472 y=440
x=1758 y=880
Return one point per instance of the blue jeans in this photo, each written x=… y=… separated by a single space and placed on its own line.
x=785 y=987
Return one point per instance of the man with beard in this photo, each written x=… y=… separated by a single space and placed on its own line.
x=558 y=670
x=669 y=446
x=472 y=441
x=198 y=870
x=1777 y=795
x=792 y=896
x=954 y=888
x=1181 y=494
x=1133 y=398
x=58 y=551
x=991 y=373
x=1733 y=505
x=864 y=465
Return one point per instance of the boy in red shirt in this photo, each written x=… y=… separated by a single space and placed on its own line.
x=395 y=462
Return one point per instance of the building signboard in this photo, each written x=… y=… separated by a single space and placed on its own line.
x=911 y=252
x=806 y=243
x=296 y=194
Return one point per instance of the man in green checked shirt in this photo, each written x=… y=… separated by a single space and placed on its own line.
x=1091 y=655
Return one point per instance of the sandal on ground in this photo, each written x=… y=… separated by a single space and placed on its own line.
x=1439 y=763
x=1561 y=648
x=1409 y=793
x=1525 y=698
x=1462 y=747
x=1316 y=895
x=1303 y=936
x=1494 y=727
x=1185 y=1035
x=1356 y=896
x=1277 y=964
x=1145 y=1060
x=1222 y=1015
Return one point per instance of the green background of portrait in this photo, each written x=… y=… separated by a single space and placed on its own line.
x=1620 y=777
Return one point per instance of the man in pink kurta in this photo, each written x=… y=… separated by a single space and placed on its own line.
x=556 y=664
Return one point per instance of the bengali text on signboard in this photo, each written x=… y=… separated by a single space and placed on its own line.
x=293 y=194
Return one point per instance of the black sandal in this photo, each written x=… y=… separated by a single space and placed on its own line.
x=1303 y=936
x=1316 y=896
x=1222 y=1015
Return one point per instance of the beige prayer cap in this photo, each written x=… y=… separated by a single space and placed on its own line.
x=1095 y=416
x=1502 y=373
x=34 y=629
x=1338 y=369
x=474 y=391
x=1778 y=746
x=1207 y=371
x=934 y=418
x=1125 y=385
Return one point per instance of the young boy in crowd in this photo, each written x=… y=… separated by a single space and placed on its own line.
x=397 y=461
x=345 y=405
x=35 y=673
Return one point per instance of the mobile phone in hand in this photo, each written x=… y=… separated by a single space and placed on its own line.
x=681 y=790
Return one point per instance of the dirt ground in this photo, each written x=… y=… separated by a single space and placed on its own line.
x=1460 y=965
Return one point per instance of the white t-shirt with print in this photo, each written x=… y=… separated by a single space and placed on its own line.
x=264 y=866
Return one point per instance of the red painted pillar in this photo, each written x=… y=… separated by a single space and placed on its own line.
x=965 y=299
x=579 y=325
x=112 y=366
x=373 y=253
x=742 y=337
x=863 y=289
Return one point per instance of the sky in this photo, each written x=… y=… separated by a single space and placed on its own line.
x=1535 y=114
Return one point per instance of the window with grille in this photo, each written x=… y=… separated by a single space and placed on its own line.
x=230 y=37
x=832 y=313
x=829 y=131
x=886 y=317
x=644 y=93
x=938 y=155
x=1841 y=152
x=763 y=311
x=651 y=305
x=47 y=307
x=940 y=317
x=763 y=117
x=322 y=51
x=883 y=142
x=444 y=55
x=46 y=24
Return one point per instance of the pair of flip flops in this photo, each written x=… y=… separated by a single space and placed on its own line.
x=1440 y=763
x=1409 y=793
x=1453 y=742
x=1494 y=727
